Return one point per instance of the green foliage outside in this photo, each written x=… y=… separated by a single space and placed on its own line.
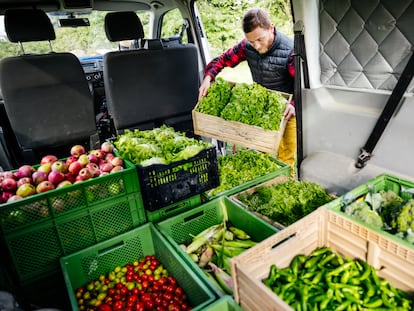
x=222 y=20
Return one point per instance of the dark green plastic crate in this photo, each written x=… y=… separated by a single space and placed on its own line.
x=225 y=303
x=382 y=182
x=173 y=209
x=162 y=185
x=283 y=170
x=90 y=263
x=35 y=251
x=52 y=205
x=178 y=229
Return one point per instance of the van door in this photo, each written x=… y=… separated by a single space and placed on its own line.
x=356 y=52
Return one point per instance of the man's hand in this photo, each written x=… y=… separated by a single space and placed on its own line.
x=205 y=85
x=289 y=111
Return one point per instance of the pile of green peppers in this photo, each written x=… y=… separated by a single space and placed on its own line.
x=325 y=280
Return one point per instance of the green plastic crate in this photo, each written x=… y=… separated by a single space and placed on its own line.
x=90 y=263
x=35 y=251
x=225 y=303
x=178 y=229
x=54 y=204
x=382 y=182
x=283 y=170
x=173 y=209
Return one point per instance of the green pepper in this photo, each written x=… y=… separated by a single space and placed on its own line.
x=373 y=303
x=326 y=260
x=341 y=268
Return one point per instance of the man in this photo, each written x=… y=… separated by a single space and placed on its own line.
x=269 y=56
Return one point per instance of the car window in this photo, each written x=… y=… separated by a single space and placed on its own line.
x=172 y=24
x=81 y=41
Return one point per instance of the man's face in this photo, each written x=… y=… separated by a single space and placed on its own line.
x=261 y=39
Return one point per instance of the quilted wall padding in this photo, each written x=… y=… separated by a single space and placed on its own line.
x=365 y=44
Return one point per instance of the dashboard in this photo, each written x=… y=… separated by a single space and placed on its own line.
x=93 y=68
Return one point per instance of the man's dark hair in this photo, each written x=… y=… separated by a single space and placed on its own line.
x=255 y=18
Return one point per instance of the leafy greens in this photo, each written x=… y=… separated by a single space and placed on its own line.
x=286 y=202
x=161 y=145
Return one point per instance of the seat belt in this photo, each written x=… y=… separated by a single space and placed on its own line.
x=387 y=112
x=299 y=56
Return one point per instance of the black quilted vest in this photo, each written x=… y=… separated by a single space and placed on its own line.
x=270 y=69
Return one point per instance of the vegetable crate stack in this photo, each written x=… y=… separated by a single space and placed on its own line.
x=171 y=167
x=325 y=261
x=384 y=204
x=244 y=114
x=208 y=236
x=40 y=228
x=138 y=269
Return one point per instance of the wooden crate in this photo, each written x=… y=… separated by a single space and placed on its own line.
x=320 y=228
x=238 y=133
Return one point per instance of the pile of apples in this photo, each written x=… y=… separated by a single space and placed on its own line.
x=53 y=173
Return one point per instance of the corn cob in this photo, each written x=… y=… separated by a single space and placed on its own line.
x=240 y=234
x=210 y=234
x=223 y=278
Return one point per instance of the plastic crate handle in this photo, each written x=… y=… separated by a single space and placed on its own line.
x=110 y=249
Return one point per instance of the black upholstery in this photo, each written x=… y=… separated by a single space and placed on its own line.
x=144 y=85
x=46 y=97
x=149 y=84
x=26 y=25
x=123 y=26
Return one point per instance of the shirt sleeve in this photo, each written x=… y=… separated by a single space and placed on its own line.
x=230 y=58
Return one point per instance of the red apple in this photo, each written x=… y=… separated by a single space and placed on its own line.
x=24 y=180
x=106 y=167
x=14 y=198
x=8 y=174
x=70 y=160
x=117 y=161
x=64 y=183
x=84 y=174
x=109 y=156
x=46 y=167
x=9 y=184
x=107 y=147
x=38 y=177
x=98 y=153
x=94 y=168
x=70 y=177
x=45 y=186
x=83 y=159
x=75 y=167
x=103 y=173
x=48 y=159
x=55 y=177
x=77 y=150
x=24 y=171
x=93 y=158
x=117 y=169
x=26 y=190
x=59 y=166
x=5 y=196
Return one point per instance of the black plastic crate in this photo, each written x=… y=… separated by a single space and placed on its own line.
x=162 y=185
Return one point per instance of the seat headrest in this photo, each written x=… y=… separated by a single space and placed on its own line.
x=26 y=25
x=123 y=26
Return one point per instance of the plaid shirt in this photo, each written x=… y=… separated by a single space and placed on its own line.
x=232 y=57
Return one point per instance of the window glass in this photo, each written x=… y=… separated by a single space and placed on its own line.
x=81 y=41
x=172 y=24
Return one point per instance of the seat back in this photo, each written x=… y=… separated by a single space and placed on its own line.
x=148 y=85
x=46 y=96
